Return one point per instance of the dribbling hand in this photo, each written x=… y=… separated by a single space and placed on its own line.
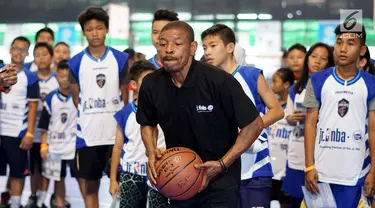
x=211 y=170
x=153 y=156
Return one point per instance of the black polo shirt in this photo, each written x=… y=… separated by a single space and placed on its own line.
x=203 y=115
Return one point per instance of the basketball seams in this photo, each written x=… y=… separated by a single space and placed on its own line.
x=185 y=151
x=196 y=179
x=195 y=156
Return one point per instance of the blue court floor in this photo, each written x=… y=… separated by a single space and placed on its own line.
x=72 y=192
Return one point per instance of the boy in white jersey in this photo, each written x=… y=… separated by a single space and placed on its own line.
x=44 y=35
x=338 y=101
x=161 y=18
x=43 y=54
x=18 y=111
x=278 y=135
x=131 y=150
x=96 y=75
x=58 y=123
x=256 y=174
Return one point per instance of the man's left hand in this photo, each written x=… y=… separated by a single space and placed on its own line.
x=211 y=170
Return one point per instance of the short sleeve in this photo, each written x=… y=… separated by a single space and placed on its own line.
x=371 y=106
x=310 y=100
x=122 y=61
x=120 y=118
x=74 y=66
x=146 y=111
x=44 y=119
x=236 y=104
x=33 y=92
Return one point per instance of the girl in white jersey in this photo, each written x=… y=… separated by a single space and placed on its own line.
x=278 y=135
x=318 y=57
x=129 y=152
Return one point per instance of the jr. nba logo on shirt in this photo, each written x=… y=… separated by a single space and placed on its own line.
x=100 y=80
x=343 y=107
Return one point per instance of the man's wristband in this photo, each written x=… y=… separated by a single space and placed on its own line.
x=310 y=168
x=225 y=169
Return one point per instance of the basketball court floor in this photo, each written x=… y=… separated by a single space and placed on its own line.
x=72 y=192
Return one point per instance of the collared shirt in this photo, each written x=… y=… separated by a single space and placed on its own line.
x=203 y=115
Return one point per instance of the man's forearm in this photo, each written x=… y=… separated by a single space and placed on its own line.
x=371 y=139
x=124 y=88
x=244 y=140
x=149 y=137
x=44 y=137
x=75 y=94
x=33 y=108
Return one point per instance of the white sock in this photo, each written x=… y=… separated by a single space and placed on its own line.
x=41 y=197
x=16 y=201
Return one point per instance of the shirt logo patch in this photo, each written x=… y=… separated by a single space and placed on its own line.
x=343 y=107
x=204 y=109
x=357 y=136
x=64 y=117
x=100 y=80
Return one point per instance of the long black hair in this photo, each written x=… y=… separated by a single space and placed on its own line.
x=369 y=67
x=304 y=78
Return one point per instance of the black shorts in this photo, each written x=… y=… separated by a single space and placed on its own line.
x=277 y=194
x=72 y=166
x=3 y=162
x=93 y=161
x=35 y=158
x=14 y=156
x=214 y=198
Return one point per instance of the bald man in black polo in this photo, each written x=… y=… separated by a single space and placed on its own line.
x=200 y=107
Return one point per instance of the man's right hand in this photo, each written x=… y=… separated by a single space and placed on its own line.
x=311 y=181
x=8 y=75
x=153 y=156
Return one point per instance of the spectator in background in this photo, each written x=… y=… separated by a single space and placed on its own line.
x=296 y=56
x=43 y=35
x=284 y=59
x=132 y=56
x=161 y=18
x=141 y=56
x=60 y=52
x=365 y=63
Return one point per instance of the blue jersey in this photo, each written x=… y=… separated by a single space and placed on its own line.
x=256 y=161
x=154 y=62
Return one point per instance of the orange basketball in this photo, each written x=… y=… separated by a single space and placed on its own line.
x=178 y=179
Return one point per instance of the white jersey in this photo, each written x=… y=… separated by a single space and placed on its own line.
x=278 y=138
x=296 y=145
x=133 y=156
x=45 y=87
x=61 y=122
x=99 y=97
x=256 y=161
x=341 y=149
x=14 y=106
